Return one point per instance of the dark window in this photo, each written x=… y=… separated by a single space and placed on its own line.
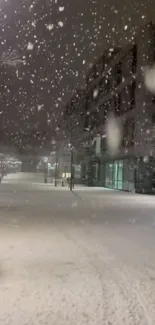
x=134 y=58
x=91 y=76
x=103 y=63
x=103 y=144
x=94 y=73
x=127 y=63
x=95 y=120
x=103 y=111
x=107 y=108
x=153 y=118
x=99 y=67
x=89 y=100
x=107 y=84
x=128 y=98
x=153 y=41
x=103 y=87
x=117 y=103
x=87 y=122
x=118 y=68
x=128 y=136
x=102 y=91
x=133 y=93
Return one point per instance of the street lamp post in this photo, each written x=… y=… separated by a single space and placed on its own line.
x=56 y=165
x=45 y=174
x=72 y=171
x=90 y=163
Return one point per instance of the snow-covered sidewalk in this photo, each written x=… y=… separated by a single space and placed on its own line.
x=85 y=257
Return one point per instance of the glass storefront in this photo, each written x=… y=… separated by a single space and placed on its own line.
x=124 y=174
x=109 y=175
x=114 y=175
x=120 y=175
x=128 y=175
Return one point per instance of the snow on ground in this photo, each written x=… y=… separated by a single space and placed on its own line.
x=75 y=258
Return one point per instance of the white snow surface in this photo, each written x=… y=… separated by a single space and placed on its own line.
x=75 y=258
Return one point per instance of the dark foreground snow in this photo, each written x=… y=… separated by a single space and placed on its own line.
x=81 y=258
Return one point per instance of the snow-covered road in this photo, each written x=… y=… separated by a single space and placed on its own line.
x=75 y=258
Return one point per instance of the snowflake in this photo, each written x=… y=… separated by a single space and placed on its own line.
x=95 y=93
x=40 y=107
x=33 y=23
x=50 y=26
x=146 y=159
x=60 y=24
x=30 y=46
x=61 y=9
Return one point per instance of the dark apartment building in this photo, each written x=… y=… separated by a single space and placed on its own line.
x=115 y=84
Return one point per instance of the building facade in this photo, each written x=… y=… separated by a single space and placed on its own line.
x=115 y=84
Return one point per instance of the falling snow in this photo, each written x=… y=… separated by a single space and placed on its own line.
x=30 y=46
x=63 y=81
x=50 y=26
x=95 y=93
x=61 y=9
x=46 y=53
x=60 y=24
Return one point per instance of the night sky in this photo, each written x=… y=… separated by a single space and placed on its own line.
x=57 y=41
